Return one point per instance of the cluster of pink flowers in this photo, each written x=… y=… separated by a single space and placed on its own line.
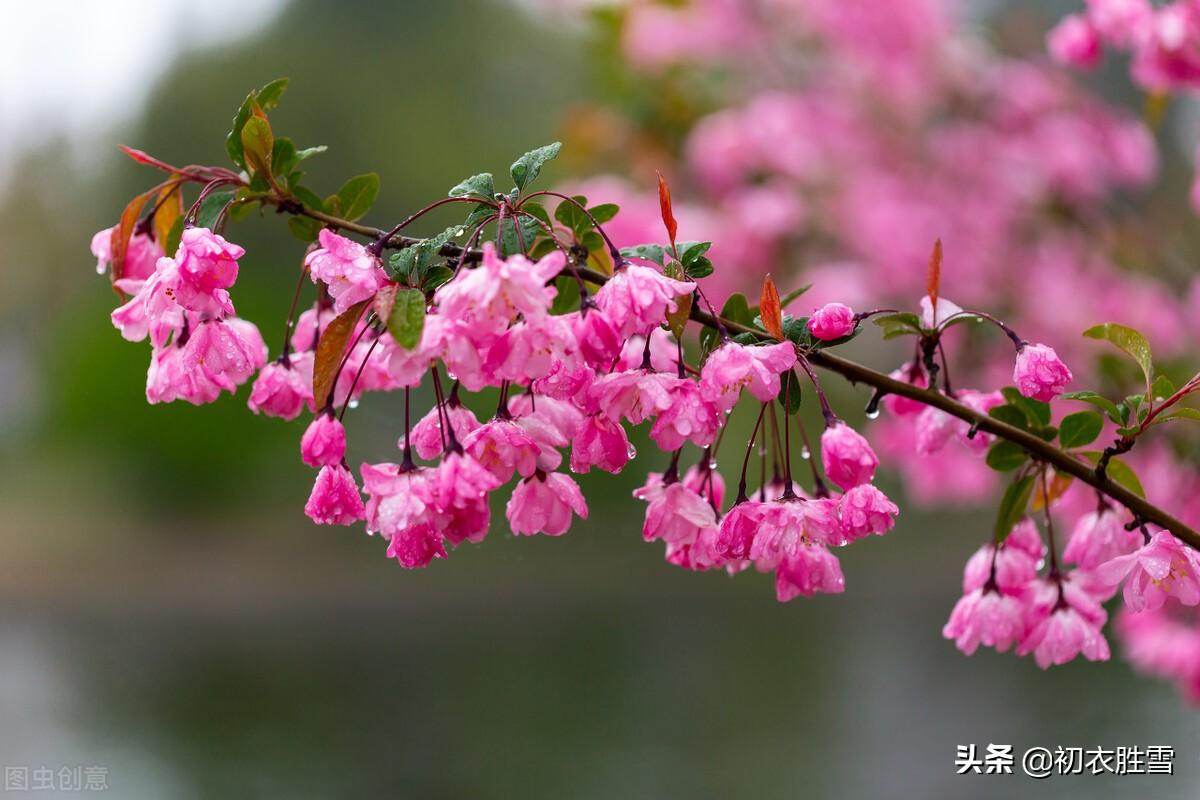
x=182 y=304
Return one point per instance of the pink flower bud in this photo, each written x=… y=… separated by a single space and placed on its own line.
x=865 y=510
x=1100 y=536
x=543 y=503
x=280 y=391
x=334 y=499
x=1075 y=41
x=984 y=616
x=847 y=456
x=831 y=321
x=1039 y=373
x=324 y=442
x=807 y=570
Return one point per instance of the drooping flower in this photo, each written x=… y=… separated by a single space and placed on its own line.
x=738 y=529
x=428 y=438
x=1064 y=628
x=1100 y=536
x=416 y=546
x=675 y=512
x=597 y=339
x=847 y=456
x=347 y=268
x=1164 y=567
x=543 y=503
x=141 y=254
x=281 y=390
x=335 y=499
x=687 y=417
x=912 y=373
x=459 y=489
x=324 y=441
x=397 y=498
x=864 y=510
x=704 y=480
x=1015 y=563
x=733 y=367
x=1075 y=41
x=806 y=569
x=1039 y=372
x=985 y=616
x=552 y=424
x=602 y=443
x=636 y=396
x=208 y=266
x=638 y=298
x=225 y=352
x=501 y=446
x=486 y=299
x=832 y=321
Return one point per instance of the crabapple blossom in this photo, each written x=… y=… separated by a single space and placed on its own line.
x=324 y=441
x=1068 y=627
x=638 y=298
x=675 y=512
x=428 y=436
x=1075 y=41
x=1039 y=372
x=459 y=487
x=985 y=616
x=1098 y=537
x=501 y=446
x=832 y=321
x=864 y=510
x=224 y=353
x=602 y=443
x=335 y=499
x=141 y=255
x=349 y=271
x=806 y=569
x=543 y=503
x=847 y=456
x=738 y=529
x=281 y=390
x=733 y=367
x=1164 y=567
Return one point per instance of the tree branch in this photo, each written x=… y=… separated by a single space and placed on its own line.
x=1036 y=447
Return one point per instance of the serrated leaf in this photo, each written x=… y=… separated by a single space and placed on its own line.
x=330 y=349
x=904 y=323
x=512 y=244
x=538 y=210
x=1079 y=429
x=358 y=194
x=1099 y=401
x=407 y=318
x=410 y=263
x=699 y=268
x=690 y=251
x=525 y=169
x=1004 y=456
x=211 y=208
x=268 y=96
x=571 y=216
x=1128 y=340
x=435 y=276
x=646 y=252
x=480 y=186
x=1012 y=507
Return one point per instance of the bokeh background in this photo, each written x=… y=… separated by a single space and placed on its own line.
x=167 y=611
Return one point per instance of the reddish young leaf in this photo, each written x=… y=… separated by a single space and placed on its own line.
x=664 y=204
x=170 y=209
x=933 y=278
x=770 y=310
x=144 y=158
x=330 y=350
x=123 y=232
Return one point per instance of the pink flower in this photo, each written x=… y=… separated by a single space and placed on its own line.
x=141 y=254
x=427 y=437
x=152 y=311
x=1100 y=536
x=981 y=402
x=1016 y=563
x=543 y=503
x=334 y=499
x=486 y=299
x=1075 y=41
x=704 y=480
x=638 y=298
x=1039 y=373
x=688 y=417
x=1118 y=20
x=733 y=367
x=985 y=616
x=832 y=321
x=738 y=529
x=225 y=353
x=847 y=456
x=864 y=510
x=1072 y=627
x=806 y=569
x=637 y=395
x=324 y=441
x=787 y=524
x=397 y=499
x=552 y=424
x=912 y=373
x=675 y=513
x=207 y=268
x=170 y=379
x=664 y=353
x=601 y=443
x=945 y=310
x=459 y=489
x=351 y=272
x=1164 y=567
x=934 y=428
x=501 y=446
x=416 y=546
x=598 y=340
x=281 y=391
x=529 y=349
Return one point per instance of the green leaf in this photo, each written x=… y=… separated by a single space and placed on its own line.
x=647 y=252
x=268 y=96
x=308 y=197
x=303 y=228
x=173 y=236
x=1011 y=415
x=210 y=208
x=1080 y=428
x=435 y=276
x=677 y=320
x=570 y=215
x=283 y=156
x=407 y=319
x=1162 y=388
x=1099 y=401
x=1005 y=456
x=700 y=268
x=789 y=390
x=792 y=295
x=1119 y=472
x=358 y=194
x=478 y=214
x=538 y=210
x=1176 y=414
x=567 y=298
x=1037 y=411
x=604 y=212
x=233 y=141
x=690 y=251
x=257 y=144
x=309 y=152
x=904 y=323
x=480 y=186
x=1012 y=507
x=961 y=318
x=510 y=242
x=410 y=263
x=525 y=169
x=1131 y=341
